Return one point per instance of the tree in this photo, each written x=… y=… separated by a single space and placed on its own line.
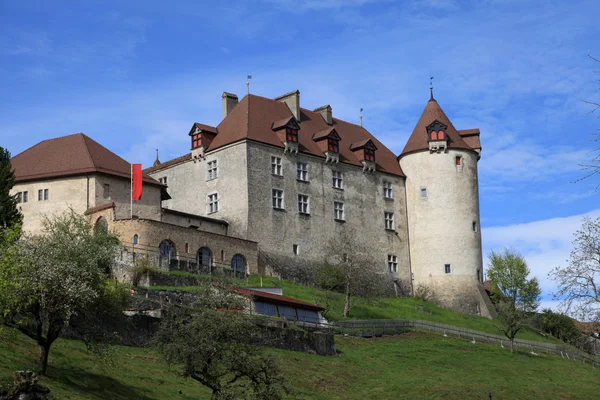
x=58 y=280
x=353 y=263
x=214 y=343
x=579 y=282
x=560 y=326
x=518 y=295
x=9 y=214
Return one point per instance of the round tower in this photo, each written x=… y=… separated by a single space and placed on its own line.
x=442 y=200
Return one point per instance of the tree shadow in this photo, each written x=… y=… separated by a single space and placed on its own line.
x=94 y=385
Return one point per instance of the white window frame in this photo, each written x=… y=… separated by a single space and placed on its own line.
x=392 y=263
x=25 y=196
x=40 y=194
x=276 y=167
x=388 y=192
x=46 y=194
x=337 y=179
x=302 y=171
x=212 y=170
x=277 y=199
x=389 y=220
x=303 y=204
x=423 y=193
x=212 y=203
x=339 y=213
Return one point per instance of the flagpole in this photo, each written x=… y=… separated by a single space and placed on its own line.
x=131 y=194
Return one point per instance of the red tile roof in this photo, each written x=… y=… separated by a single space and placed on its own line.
x=205 y=128
x=418 y=140
x=275 y=298
x=471 y=137
x=253 y=118
x=99 y=208
x=70 y=155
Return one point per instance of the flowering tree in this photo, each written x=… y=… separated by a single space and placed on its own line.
x=59 y=279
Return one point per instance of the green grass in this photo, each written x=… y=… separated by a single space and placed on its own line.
x=411 y=366
x=385 y=308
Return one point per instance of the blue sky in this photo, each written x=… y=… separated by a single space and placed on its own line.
x=135 y=75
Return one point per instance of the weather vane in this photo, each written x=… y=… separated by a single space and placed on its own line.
x=361 y=111
x=431 y=87
x=248 y=82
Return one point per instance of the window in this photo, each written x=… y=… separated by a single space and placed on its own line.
x=423 y=192
x=106 y=190
x=447 y=268
x=213 y=203
x=303 y=204
x=296 y=249
x=369 y=154
x=276 y=165
x=333 y=145
x=263 y=308
x=18 y=197
x=166 y=250
x=40 y=195
x=204 y=257
x=25 y=197
x=238 y=263
x=337 y=179
x=387 y=190
x=211 y=170
x=45 y=194
x=163 y=180
x=458 y=161
x=277 y=197
x=187 y=247
x=338 y=210
x=136 y=239
x=392 y=263
x=291 y=135
x=196 y=141
x=474 y=226
x=302 y=171
x=389 y=220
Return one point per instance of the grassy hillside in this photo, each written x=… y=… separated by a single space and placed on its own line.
x=386 y=308
x=411 y=366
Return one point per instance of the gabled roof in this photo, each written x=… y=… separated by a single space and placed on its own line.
x=70 y=155
x=418 y=139
x=278 y=299
x=282 y=123
x=471 y=137
x=326 y=133
x=254 y=116
x=363 y=143
x=203 y=128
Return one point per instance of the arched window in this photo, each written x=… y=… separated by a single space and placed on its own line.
x=204 y=257
x=238 y=263
x=101 y=226
x=167 y=250
x=136 y=239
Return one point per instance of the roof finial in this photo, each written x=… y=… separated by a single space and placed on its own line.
x=157 y=161
x=248 y=77
x=361 y=110
x=431 y=88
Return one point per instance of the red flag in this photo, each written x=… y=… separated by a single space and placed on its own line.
x=136 y=177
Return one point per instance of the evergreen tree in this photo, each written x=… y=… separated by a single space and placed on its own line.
x=9 y=214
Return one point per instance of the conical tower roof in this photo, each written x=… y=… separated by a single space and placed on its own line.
x=418 y=139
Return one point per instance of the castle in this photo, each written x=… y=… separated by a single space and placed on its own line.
x=273 y=184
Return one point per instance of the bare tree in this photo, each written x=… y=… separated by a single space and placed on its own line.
x=355 y=263
x=592 y=166
x=579 y=281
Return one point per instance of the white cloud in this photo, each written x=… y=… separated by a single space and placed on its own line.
x=545 y=244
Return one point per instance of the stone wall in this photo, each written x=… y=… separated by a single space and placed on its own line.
x=119 y=192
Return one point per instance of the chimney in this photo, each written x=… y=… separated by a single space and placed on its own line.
x=292 y=99
x=325 y=112
x=230 y=100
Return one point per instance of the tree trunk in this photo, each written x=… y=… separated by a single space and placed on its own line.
x=511 y=345
x=44 y=351
x=347 y=304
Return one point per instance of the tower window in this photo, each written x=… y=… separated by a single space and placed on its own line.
x=136 y=239
x=423 y=192
x=369 y=154
x=458 y=161
x=474 y=226
x=296 y=249
x=447 y=268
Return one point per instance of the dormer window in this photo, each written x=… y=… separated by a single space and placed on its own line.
x=196 y=140
x=365 y=150
x=333 y=145
x=369 y=154
x=291 y=134
x=437 y=136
